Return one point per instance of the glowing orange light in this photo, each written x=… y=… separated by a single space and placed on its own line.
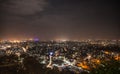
x=83 y=65
x=15 y=41
x=117 y=58
x=106 y=52
x=97 y=61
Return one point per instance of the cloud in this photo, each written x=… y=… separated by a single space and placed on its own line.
x=24 y=7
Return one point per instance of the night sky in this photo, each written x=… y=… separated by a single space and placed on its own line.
x=59 y=19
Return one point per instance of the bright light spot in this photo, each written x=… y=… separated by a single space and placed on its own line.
x=62 y=39
x=15 y=41
x=8 y=46
x=51 y=53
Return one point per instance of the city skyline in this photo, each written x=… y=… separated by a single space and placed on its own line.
x=59 y=19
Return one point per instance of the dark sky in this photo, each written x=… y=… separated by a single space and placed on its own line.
x=57 y=19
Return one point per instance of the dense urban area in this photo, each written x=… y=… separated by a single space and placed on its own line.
x=59 y=57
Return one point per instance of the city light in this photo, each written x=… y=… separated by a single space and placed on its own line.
x=76 y=56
